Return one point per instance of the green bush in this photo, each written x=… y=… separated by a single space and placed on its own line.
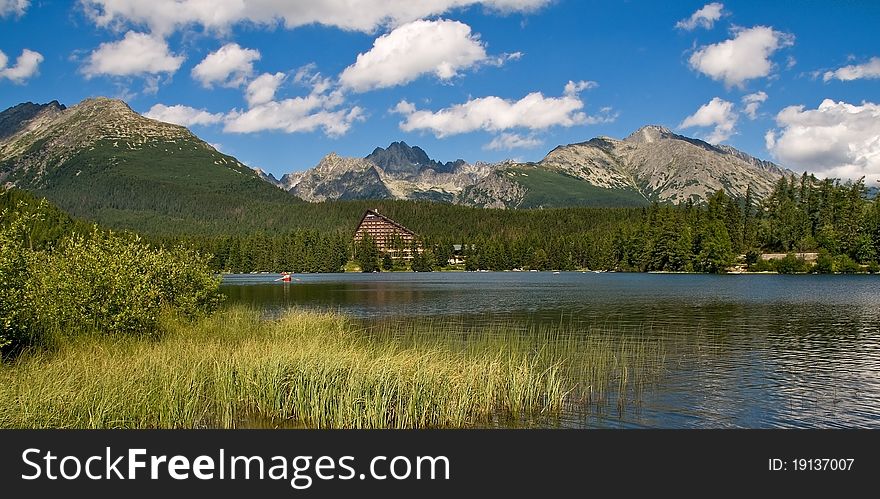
x=118 y=285
x=874 y=267
x=792 y=264
x=824 y=263
x=94 y=283
x=762 y=266
x=846 y=265
x=16 y=312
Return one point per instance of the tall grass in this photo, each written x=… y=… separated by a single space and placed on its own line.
x=319 y=370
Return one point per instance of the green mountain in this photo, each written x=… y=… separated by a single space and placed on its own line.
x=99 y=160
x=526 y=185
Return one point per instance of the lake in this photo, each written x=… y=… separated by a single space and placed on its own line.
x=752 y=351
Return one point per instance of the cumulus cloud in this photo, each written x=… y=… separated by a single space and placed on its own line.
x=752 y=102
x=13 y=7
x=263 y=88
x=868 y=70
x=508 y=141
x=229 y=66
x=494 y=114
x=705 y=17
x=299 y=114
x=183 y=115
x=323 y=108
x=837 y=139
x=576 y=87
x=135 y=54
x=717 y=113
x=26 y=65
x=744 y=57
x=442 y=48
x=165 y=16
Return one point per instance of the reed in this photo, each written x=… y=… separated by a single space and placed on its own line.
x=321 y=370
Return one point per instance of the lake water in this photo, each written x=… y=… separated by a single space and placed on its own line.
x=754 y=351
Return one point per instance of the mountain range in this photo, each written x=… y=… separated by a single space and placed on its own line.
x=652 y=164
x=99 y=157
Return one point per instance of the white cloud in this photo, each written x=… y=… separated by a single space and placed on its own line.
x=705 y=17
x=13 y=7
x=508 y=141
x=26 y=65
x=308 y=77
x=263 y=88
x=868 y=70
x=744 y=57
x=229 y=66
x=717 y=113
x=442 y=48
x=135 y=54
x=837 y=139
x=752 y=102
x=576 y=87
x=321 y=109
x=299 y=114
x=183 y=115
x=533 y=112
x=165 y=16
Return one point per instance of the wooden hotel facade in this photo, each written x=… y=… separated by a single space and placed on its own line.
x=388 y=235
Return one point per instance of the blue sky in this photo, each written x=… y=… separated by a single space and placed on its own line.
x=798 y=83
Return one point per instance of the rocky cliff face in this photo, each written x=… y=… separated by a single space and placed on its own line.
x=401 y=159
x=396 y=172
x=16 y=118
x=664 y=166
x=336 y=177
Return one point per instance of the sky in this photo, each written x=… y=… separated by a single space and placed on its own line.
x=281 y=83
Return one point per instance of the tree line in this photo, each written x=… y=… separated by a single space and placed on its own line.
x=835 y=219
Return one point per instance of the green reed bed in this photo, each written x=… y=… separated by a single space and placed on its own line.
x=320 y=370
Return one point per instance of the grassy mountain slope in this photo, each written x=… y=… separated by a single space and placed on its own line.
x=549 y=189
x=101 y=161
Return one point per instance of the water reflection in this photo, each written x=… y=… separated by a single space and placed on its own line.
x=742 y=351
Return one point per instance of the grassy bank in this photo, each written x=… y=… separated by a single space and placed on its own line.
x=305 y=369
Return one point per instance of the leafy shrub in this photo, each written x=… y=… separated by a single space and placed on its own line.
x=791 y=264
x=16 y=315
x=846 y=265
x=98 y=282
x=824 y=263
x=118 y=285
x=762 y=265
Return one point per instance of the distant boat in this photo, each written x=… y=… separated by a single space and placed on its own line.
x=556 y=272
x=286 y=277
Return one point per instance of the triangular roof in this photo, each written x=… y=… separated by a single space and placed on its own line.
x=383 y=217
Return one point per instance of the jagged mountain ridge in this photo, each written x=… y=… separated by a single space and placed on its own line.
x=401 y=158
x=396 y=172
x=17 y=117
x=651 y=164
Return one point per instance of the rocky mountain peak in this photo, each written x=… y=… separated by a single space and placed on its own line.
x=15 y=118
x=650 y=133
x=401 y=158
